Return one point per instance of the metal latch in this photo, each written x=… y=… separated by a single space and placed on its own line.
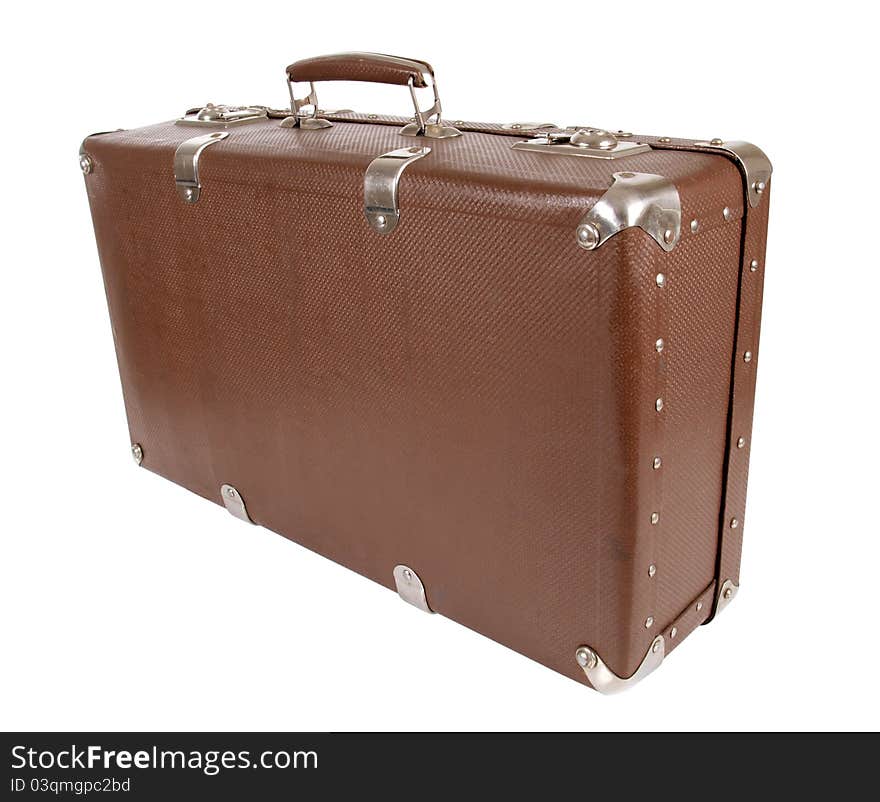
x=212 y=116
x=595 y=143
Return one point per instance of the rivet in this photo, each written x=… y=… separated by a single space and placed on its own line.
x=673 y=632
x=655 y=646
x=458 y=122
x=655 y=518
x=85 y=164
x=661 y=280
x=726 y=212
x=652 y=569
x=658 y=405
x=734 y=523
x=623 y=133
x=668 y=236
x=188 y=193
x=587 y=236
x=657 y=463
x=381 y=221
x=759 y=187
x=747 y=356
x=695 y=226
x=664 y=139
x=754 y=265
x=716 y=141
x=407 y=574
x=230 y=491
x=699 y=606
x=649 y=622
x=586 y=658
x=137 y=453
x=741 y=442
x=728 y=593
x=515 y=126
x=659 y=345
x=372 y=116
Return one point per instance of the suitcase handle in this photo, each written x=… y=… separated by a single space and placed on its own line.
x=374 y=68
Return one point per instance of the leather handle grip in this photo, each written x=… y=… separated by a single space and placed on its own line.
x=372 y=67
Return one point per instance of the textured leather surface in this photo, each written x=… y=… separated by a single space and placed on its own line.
x=373 y=67
x=473 y=395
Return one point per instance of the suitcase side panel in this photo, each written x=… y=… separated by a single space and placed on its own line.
x=486 y=415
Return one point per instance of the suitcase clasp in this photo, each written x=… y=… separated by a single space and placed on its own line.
x=211 y=116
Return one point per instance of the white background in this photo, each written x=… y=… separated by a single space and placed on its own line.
x=128 y=603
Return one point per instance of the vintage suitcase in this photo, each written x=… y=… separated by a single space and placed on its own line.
x=507 y=370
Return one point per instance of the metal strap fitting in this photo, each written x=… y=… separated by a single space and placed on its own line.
x=234 y=502
x=380 y=187
x=410 y=587
x=186 y=164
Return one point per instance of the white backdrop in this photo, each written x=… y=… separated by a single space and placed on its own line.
x=128 y=603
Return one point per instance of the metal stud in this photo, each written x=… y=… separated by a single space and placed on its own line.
x=699 y=606
x=664 y=139
x=747 y=356
x=587 y=236
x=668 y=236
x=716 y=141
x=759 y=187
x=649 y=622
x=695 y=226
x=655 y=518
x=661 y=280
x=727 y=213
x=658 y=405
x=372 y=116
x=657 y=463
x=137 y=453
x=586 y=658
x=673 y=632
x=728 y=593
x=754 y=265
x=659 y=345
x=734 y=523
x=655 y=646
x=652 y=570
x=381 y=221
x=741 y=442
x=85 y=163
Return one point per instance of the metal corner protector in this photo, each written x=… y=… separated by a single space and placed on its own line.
x=604 y=680
x=643 y=200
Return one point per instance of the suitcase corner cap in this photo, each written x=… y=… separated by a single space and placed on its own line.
x=642 y=200
x=604 y=680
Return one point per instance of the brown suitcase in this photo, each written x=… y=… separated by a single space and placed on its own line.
x=508 y=370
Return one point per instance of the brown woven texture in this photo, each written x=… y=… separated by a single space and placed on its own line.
x=472 y=395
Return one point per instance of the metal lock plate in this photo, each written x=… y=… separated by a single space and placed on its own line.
x=594 y=143
x=212 y=116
